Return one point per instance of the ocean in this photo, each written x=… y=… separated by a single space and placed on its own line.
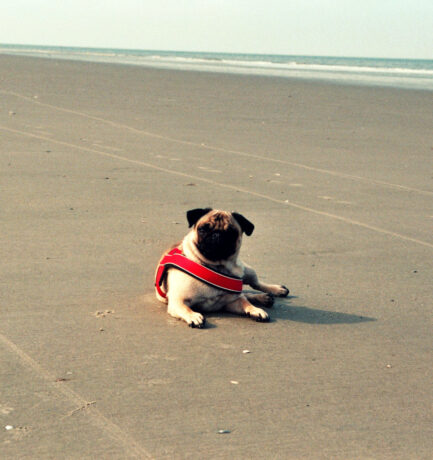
x=403 y=73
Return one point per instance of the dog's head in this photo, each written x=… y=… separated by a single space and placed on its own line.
x=218 y=233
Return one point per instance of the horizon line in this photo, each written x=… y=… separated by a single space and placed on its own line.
x=216 y=52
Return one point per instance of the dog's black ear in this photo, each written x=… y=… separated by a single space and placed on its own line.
x=193 y=215
x=245 y=224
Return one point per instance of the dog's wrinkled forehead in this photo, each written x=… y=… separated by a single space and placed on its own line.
x=219 y=220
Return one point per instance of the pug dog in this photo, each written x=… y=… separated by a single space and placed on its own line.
x=214 y=242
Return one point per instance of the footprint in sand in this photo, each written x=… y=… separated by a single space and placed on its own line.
x=330 y=198
x=204 y=168
x=5 y=410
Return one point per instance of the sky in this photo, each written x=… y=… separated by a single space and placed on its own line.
x=361 y=28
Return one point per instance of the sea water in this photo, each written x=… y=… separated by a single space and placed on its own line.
x=404 y=73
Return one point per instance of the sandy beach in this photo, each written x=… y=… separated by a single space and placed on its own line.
x=99 y=164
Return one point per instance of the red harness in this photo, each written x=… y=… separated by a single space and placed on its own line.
x=175 y=259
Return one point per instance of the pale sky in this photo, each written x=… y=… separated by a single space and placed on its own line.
x=365 y=28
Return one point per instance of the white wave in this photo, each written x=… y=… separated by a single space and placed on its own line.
x=292 y=65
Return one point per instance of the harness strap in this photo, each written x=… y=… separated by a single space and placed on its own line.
x=175 y=259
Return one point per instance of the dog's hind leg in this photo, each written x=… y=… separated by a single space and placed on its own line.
x=241 y=306
x=260 y=300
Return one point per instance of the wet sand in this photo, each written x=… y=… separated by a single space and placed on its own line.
x=99 y=164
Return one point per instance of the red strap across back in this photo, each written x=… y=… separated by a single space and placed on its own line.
x=175 y=259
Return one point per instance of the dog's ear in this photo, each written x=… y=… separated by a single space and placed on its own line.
x=193 y=215
x=245 y=224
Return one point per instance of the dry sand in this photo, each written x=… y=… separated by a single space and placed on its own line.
x=99 y=164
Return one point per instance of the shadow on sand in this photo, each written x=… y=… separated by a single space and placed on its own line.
x=284 y=310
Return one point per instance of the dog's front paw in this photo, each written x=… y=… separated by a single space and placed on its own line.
x=281 y=291
x=196 y=320
x=258 y=314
